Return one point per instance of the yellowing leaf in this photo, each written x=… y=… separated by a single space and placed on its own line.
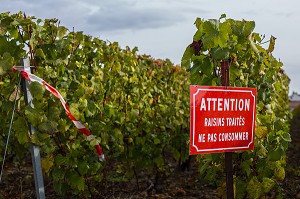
x=74 y=110
x=271 y=44
x=268 y=184
x=47 y=163
x=262 y=151
x=279 y=172
x=261 y=132
x=254 y=188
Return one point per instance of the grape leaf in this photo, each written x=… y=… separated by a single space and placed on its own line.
x=21 y=130
x=76 y=181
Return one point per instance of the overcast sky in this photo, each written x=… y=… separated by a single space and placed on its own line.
x=163 y=28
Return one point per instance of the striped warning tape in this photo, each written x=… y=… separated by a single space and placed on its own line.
x=78 y=124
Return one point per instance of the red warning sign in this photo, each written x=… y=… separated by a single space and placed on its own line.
x=221 y=119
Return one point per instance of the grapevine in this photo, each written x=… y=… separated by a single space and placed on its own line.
x=133 y=104
x=259 y=171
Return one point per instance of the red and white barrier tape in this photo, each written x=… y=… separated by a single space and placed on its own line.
x=78 y=124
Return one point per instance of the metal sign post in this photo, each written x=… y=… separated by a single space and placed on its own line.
x=35 y=150
x=228 y=155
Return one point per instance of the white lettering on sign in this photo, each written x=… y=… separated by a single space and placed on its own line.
x=224 y=104
x=235 y=121
x=212 y=137
x=223 y=137
x=236 y=136
x=214 y=121
x=201 y=138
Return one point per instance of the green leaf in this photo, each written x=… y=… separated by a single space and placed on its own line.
x=246 y=165
x=6 y=62
x=211 y=26
x=60 y=187
x=61 y=160
x=206 y=67
x=92 y=109
x=117 y=134
x=225 y=31
x=48 y=126
x=211 y=30
x=74 y=110
x=198 y=22
x=175 y=154
x=14 y=33
x=61 y=31
x=2 y=29
x=63 y=125
x=206 y=81
x=240 y=189
x=134 y=113
x=211 y=174
x=21 y=130
x=216 y=33
x=186 y=58
x=249 y=27
x=83 y=167
x=79 y=36
x=286 y=137
x=220 y=54
x=83 y=103
x=76 y=181
x=243 y=28
x=262 y=152
x=57 y=174
x=203 y=168
x=276 y=154
x=156 y=141
x=39 y=53
x=53 y=113
x=37 y=90
x=159 y=161
x=198 y=35
x=222 y=16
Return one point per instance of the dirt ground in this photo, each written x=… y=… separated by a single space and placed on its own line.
x=18 y=182
x=291 y=184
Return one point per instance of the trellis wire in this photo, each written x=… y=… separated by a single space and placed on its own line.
x=9 y=132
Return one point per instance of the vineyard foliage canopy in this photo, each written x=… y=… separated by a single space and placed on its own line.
x=137 y=107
